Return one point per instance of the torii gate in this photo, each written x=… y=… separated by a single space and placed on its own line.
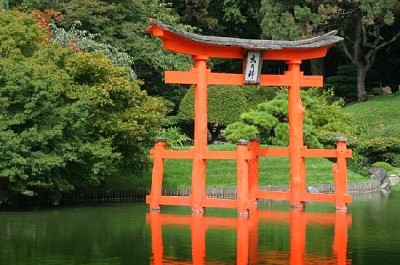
x=252 y=52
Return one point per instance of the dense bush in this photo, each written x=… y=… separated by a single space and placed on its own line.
x=68 y=120
x=225 y=104
x=174 y=136
x=380 y=149
x=383 y=165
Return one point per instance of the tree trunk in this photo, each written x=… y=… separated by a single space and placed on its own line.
x=361 y=74
x=317 y=66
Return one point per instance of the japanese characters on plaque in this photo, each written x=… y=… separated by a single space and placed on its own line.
x=253 y=63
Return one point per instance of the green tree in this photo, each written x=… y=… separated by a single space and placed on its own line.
x=269 y=120
x=4 y=4
x=82 y=40
x=123 y=24
x=367 y=26
x=225 y=104
x=68 y=120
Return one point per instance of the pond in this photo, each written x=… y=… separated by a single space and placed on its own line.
x=368 y=233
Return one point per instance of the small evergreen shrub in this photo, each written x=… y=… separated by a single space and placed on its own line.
x=383 y=165
x=376 y=91
x=175 y=138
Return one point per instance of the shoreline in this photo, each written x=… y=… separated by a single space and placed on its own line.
x=132 y=195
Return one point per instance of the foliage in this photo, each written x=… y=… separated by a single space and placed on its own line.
x=256 y=94
x=4 y=4
x=395 y=159
x=363 y=24
x=383 y=165
x=269 y=120
x=225 y=104
x=377 y=91
x=175 y=137
x=379 y=149
x=82 y=40
x=68 y=119
x=240 y=130
x=343 y=82
x=281 y=20
x=123 y=24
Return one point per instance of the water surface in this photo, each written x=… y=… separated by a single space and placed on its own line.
x=369 y=233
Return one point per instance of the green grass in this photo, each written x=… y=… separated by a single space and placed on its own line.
x=273 y=171
x=379 y=116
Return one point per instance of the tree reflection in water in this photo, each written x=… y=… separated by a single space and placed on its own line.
x=247 y=236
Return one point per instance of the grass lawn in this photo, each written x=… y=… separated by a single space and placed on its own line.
x=273 y=171
x=381 y=114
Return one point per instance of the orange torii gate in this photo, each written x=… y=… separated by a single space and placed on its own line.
x=252 y=52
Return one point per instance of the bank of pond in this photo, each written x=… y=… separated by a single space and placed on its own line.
x=137 y=195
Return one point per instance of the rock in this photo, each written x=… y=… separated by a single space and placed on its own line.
x=387 y=90
x=394 y=180
x=378 y=173
x=385 y=186
x=311 y=189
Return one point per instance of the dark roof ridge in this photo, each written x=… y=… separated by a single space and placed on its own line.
x=326 y=39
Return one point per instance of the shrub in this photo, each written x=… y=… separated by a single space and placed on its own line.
x=68 y=120
x=344 y=82
x=175 y=138
x=383 y=165
x=240 y=130
x=269 y=120
x=376 y=91
x=225 y=104
x=379 y=149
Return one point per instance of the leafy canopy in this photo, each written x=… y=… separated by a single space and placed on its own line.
x=68 y=120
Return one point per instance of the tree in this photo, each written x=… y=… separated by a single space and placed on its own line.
x=123 y=24
x=4 y=4
x=365 y=26
x=225 y=104
x=268 y=121
x=68 y=119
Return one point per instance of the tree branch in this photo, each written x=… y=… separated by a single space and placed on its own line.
x=347 y=52
x=383 y=44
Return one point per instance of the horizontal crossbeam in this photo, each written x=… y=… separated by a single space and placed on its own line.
x=191 y=78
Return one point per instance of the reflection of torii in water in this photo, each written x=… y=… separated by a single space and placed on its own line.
x=247 y=236
x=252 y=52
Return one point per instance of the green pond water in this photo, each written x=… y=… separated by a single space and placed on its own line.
x=368 y=233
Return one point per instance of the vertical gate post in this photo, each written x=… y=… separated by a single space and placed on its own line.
x=242 y=174
x=200 y=135
x=253 y=169
x=340 y=174
x=157 y=174
x=296 y=117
